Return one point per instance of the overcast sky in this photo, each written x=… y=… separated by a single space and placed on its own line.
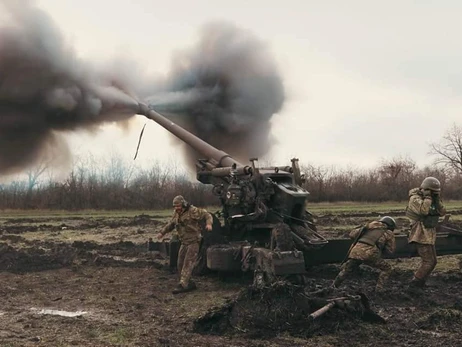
x=365 y=80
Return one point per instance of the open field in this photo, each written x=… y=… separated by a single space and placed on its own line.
x=354 y=207
x=93 y=269
x=323 y=208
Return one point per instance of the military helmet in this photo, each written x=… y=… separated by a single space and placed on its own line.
x=389 y=221
x=431 y=183
x=179 y=200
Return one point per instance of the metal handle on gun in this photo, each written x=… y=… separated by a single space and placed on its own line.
x=331 y=303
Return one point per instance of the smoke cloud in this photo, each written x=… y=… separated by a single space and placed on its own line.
x=225 y=89
x=45 y=89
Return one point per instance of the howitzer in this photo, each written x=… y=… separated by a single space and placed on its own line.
x=266 y=227
x=263 y=209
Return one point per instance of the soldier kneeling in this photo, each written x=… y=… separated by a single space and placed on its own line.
x=370 y=241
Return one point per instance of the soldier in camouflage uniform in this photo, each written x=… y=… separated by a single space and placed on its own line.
x=370 y=241
x=186 y=221
x=424 y=209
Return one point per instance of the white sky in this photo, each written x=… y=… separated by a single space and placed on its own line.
x=366 y=80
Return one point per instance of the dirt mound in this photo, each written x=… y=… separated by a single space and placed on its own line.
x=20 y=255
x=33 y=258
x=285 y=308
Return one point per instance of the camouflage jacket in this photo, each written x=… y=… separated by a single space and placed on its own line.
x=188 y=224
x=421 y=206
x=365 y=252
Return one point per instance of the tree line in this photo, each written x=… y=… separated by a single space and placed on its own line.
x=112 y=183
x=390 y=181
x=119 y=186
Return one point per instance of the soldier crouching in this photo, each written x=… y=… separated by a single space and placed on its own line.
x=370 y=241
x=186 y=220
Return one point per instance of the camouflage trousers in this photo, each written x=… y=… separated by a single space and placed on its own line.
x=187 y=259
x=427 y=253
x=352 y=265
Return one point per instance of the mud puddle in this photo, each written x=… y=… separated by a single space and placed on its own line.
x=70 y=314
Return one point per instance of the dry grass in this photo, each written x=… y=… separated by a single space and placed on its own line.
x=350 y=207
x=316 y=208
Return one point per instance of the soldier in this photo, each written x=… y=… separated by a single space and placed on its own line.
x=186 y=220
x=370 y=241
x=424 y=209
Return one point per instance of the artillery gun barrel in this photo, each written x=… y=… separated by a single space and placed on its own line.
x=202 y=147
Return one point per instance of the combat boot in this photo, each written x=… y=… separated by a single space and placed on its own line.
x=180 y=289
x=191 y=286
x=417 y=283
x=336 y=283
x=416 y=286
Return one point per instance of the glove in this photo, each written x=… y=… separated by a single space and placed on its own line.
x=426 y=193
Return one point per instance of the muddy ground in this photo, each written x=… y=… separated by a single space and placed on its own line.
x=83 y=281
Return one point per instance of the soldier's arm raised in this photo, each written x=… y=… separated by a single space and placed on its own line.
x=421 y=204
x=440 y=207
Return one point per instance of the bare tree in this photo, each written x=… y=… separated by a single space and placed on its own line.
x=317 y=180
x=449 y=150
x=33 y=178
x=396 y=176
x=34 y=173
